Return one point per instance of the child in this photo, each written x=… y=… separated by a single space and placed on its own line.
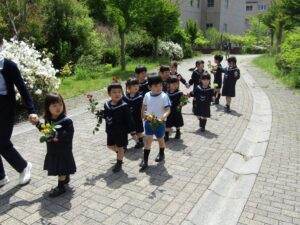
x=173 y=73
x=59 y=160
x=231 y=75
x=175 y=118
x=158 y=103
x=195 y=80
x=203 y=95
x=164 y=73
x=217 y=70
x=141 y=73
x=135 y=100
x=118 y=123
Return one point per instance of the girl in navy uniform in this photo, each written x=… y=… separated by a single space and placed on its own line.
x=217 y=70
x=141 y=73
x=119 y=123
x=135 y=101
x=9 y=78
x=59 y=160
x=203 y=94
x=164 y=72
x=174 y=73
x=175 y=118
x=195 y=80
x=231 y=75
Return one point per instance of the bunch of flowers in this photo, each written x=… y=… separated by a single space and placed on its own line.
x=36 y=68
x=154 y=121
x=184 y=99
x=99 y=114
x=170 y=49
x=49 y=132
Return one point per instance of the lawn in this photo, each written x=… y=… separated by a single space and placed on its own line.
x=94 y=78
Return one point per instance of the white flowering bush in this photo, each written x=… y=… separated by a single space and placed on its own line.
x=36 y=68
x=170 y=49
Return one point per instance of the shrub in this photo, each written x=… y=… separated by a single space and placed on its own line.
x=170 y=49
x=111 y=56
x=187 y=51
x=36 y=69
x=139 y=44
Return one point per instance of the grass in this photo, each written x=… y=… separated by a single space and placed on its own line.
x=267 y=63
x=95 y=78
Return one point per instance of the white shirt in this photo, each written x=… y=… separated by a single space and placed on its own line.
x=3 y=88
x=156 y=104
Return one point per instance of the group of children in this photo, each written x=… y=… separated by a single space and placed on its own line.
x=125 y=113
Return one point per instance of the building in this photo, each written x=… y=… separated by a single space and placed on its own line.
x=231 y=16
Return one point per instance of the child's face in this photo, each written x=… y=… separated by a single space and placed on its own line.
x=116 y=94
x=173 y=86
x=156 y=88
x=216 y=61
x=56 y=109
x=142 y=76
x=231 y=64
x=165 y=75
x=133 y=89
x=205 y=82
x=200 y=66
x=173 y=69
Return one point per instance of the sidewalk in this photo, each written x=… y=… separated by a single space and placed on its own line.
x=165 y=194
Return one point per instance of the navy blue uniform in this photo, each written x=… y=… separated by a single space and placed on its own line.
x=231 y=75
x=175 y=118
x=135 y=105
x=59 y=159
x=203 y=98
x=218 y=77
x=179 y=77
x=119 y=123
x=144 y=88
x=196 y=78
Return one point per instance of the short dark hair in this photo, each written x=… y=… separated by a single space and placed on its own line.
x=132 y=81
x=205 y=76
x=1 y=39
x=219 y=58
x=232 y=59
x=175 y=64
x=172 y=80
x=114 y=86
x=164 y=68
x=140 y=68
x=50 y=99
x=198 y=62
x=154 y=79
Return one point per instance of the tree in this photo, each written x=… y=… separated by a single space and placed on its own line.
x=291 y=7
x=97 y=10
x=161 y=19
x=125 y=15
x=192 y=30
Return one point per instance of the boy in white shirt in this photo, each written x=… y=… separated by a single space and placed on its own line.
x=156 y=103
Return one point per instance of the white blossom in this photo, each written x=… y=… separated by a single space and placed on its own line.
x=170 y=49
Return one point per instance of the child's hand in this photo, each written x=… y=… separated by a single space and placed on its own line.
x=33 y=119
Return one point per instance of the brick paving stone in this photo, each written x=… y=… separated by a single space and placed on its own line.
x=165 y=193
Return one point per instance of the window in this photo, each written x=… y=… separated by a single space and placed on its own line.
x=249 y=7
x=192 y=3
x=198 y=3
x=226 y=4
x=210 y=3
x=225 y=27
x=262 y=7
x=209 y=25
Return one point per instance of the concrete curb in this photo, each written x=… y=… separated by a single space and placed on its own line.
x=226 y=197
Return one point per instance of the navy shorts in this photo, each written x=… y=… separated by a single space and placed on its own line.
x=159 y=132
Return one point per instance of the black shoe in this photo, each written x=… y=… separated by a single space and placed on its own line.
x=160 y=157
x=57 y=192
x=117 y=167
x=139 y=145
x=202 y=129
x=228 y=109
x=217 y=102
x=143 y=166
x=178 y=134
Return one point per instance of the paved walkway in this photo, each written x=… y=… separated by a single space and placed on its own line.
x=168 y=191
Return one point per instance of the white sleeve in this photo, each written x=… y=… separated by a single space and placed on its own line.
x=146 y=99
x=167 y=102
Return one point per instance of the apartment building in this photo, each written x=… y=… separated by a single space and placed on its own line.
x=231 y=16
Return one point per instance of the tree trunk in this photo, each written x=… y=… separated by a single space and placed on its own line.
x=279 y=35
x=272 y=38
x=123 y=51
x=156 y=47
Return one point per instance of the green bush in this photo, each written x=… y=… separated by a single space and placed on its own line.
x=187 y=51
x=111 y=56
x=139 y=44
x=179 y=36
